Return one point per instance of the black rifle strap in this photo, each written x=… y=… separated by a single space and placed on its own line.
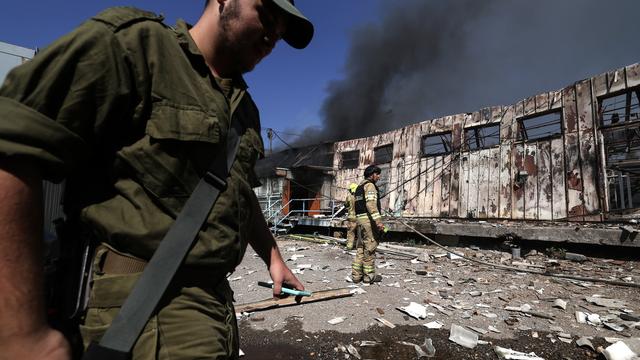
x=127 y=326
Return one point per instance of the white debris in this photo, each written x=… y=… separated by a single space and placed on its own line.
x=358 y=291
x=605 y=302
x=480 y=331
x=463 y=337
x=337 y=320
x=619 y=351
x=385 y=265
x=453 y=256
x=585 y=341
x=240 y=353
x=236 y=278
x=612 y=326
x=426 y=350
x=304 y=266
x=295 y=257
x=581 y=317
x=594 y=319
x=494 y=329
x=353 y=351
x=415 y=310
x=559 y=303
x=386 y=322
x=433 y=325
x=504 y=353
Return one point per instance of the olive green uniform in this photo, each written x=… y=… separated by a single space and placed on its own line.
x=127 y=110
x=349 y=203
x=363 y=266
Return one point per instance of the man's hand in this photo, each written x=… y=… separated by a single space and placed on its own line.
x=281 y=274
x=380 y=226
x=47 y=344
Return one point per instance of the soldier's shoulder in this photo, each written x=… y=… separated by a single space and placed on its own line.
x=120 y=17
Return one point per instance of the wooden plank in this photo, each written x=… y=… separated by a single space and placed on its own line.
x=493 y=202
x=506 y=185
x=456 y=181
x=446 y=185
x=474 y=169
x=437 y=185
x=575 y=207
x=600 y=85
x=545 y=189
x=422 y=182
x=463 y=201
x=293 y=300
x=517 y=197
x=584 y=106
x=531 y=184
x=542 y=102
x=483 y=184
x=428 y=199
x=506 y=125
x=569 y=110
x=411 y=183
x=529 y=105
x=633 y=75
x=616 y=80
x=589 y=162
x=555 y=100
x=588 y=148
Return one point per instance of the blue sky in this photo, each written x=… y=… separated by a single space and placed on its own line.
x=288 y=86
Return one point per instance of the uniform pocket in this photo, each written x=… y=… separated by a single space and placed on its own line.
x=179 y=144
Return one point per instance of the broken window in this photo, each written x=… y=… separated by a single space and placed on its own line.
x=383 y=154
x=436 y=144
x=620 y=108
x=482 y=137
x=351 y=159
x=619 y=115
x=540 y=127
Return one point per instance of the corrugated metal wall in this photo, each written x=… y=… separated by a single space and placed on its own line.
x=555 y=178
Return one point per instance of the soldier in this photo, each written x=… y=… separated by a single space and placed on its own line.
x=132 y=112
x=349 y=203
x=369 y=220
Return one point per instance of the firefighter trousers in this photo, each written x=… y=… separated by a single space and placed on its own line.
x=363 y=267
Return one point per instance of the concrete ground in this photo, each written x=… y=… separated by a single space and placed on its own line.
x=558 y=313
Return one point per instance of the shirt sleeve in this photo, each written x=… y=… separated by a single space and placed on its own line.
x=371 y=198
x=53 y=108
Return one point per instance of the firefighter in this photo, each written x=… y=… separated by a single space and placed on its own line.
x=369 y=220
x=349 y=204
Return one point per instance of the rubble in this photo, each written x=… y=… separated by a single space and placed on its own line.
x=469 y=299
x=463 y=337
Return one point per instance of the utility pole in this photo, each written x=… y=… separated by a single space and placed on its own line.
x=270 y=137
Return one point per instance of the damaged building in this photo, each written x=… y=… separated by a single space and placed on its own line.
x=555 y=158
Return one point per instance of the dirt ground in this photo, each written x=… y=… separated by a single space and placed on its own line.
x=453 y=292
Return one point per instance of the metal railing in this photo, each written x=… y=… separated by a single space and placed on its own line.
x=274 y=214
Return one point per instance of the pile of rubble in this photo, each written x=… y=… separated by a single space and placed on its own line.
x=478 y=303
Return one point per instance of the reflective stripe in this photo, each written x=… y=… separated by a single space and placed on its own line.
x=369 y=269
x=362 y=216
x=376 y=216
x=356 y=266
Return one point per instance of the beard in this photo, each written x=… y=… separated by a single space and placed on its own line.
x=239 y=45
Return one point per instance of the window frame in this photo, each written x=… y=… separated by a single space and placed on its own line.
x=448 y=148
x=522 y=129
x=349 y=161
x=475 y=130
